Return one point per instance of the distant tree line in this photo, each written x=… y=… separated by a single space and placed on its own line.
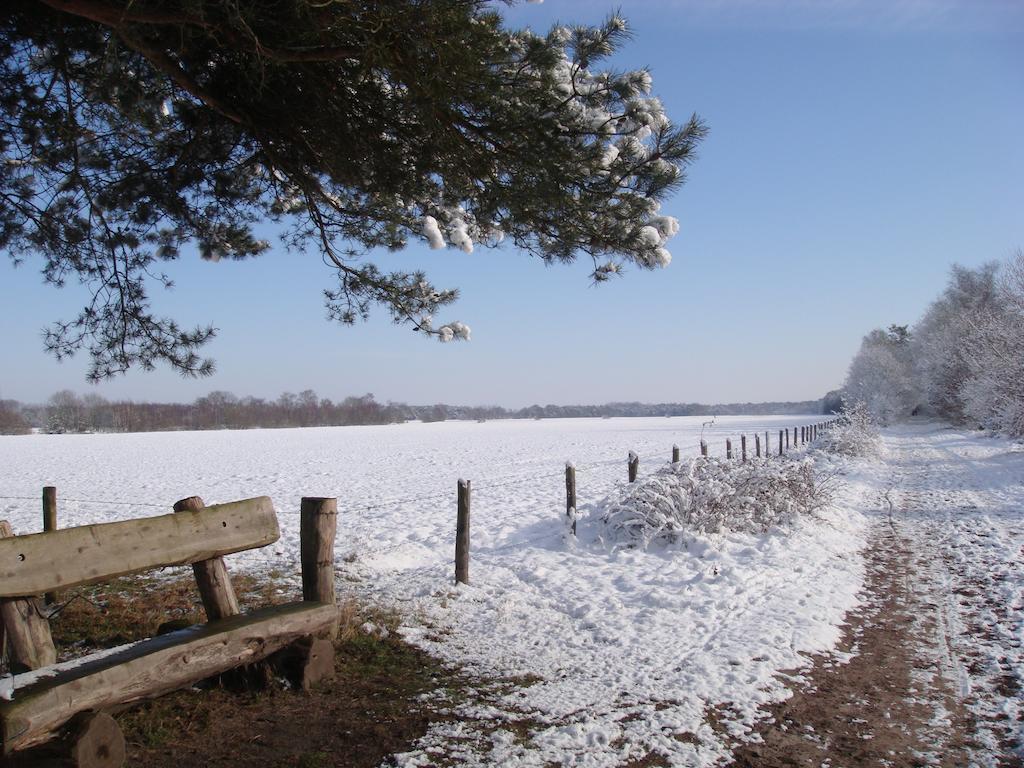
x=962 y=361
x=68 y=412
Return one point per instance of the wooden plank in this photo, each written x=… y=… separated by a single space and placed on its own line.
x=155 y=667
x=43 y=562
x=212 y=580
x=28 y=638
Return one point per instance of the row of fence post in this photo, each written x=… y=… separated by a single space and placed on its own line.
x=801 y=435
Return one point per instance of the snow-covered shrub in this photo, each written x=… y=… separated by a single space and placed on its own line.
x=854 y=434
x=708 y=494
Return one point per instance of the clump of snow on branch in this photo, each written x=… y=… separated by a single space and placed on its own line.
x=458 y=233
x=452 y=331
x=709 y=495
x=433 y=233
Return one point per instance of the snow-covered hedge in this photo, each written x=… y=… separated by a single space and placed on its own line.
x=707 y=494
x=854 y=434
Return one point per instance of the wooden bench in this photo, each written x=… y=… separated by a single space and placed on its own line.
x=75 y=698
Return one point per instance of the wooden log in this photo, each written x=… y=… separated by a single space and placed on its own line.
x=97 y=742
x=318 y=525
x=305 y=662
x=632 y=466
x=743 y=448
x=26 y=631
x=703 y=448
x=462 y=535
x=318 y=665
x=156 y=666
x=728 y=448
x=70 y=557
x=757 y=446
x=219 y=599
x=675 y=454
x=570 y=494
x=50 y=524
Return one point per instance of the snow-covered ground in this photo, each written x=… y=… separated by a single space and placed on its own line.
x=627 y=651
x=614 y=654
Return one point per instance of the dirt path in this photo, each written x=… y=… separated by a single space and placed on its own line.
x=928 y=672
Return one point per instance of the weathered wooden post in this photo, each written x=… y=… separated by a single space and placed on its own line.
x=743 y=448
x=803 y=435
x=780 y=441
x=50 y=524
x=28 y=632
x=212 y=578
x=570 y=494
x=675 y=454
x=728 y=448
x=462 y=535
x=787 y=438
x=767 y=445
x=632 y=465
x=318 y=526
x=703 y=448
x=757 y=446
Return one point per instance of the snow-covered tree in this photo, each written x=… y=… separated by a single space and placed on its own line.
x=880 y=375
x=993 y=393
x=132 y=129
x=946 y=333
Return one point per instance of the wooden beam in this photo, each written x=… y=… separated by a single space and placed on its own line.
x=43 y=562
x=155 y=667
x=27 y=631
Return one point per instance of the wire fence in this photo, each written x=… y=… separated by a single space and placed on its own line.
x=595 y=470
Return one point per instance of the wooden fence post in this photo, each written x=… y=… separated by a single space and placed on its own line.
x=50 y=524
x=318 y=526
x=570 y=493
x=675 y=454
x=728 y=448
x=780 y=441
x=787 y=438
x=632 y=465
x=462 y=535
x=767 y=445
x=803 y=435
x=703 y=448
x=757 y=446
x=743 y=448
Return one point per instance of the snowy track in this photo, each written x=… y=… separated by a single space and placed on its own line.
x=959 y=500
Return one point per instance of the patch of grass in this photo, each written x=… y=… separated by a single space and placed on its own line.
x=385 y=695
x=132 y=608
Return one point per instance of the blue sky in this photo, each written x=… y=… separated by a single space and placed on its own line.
x=857 y=150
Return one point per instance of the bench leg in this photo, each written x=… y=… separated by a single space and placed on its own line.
x=306 y=662
x=318 y=664
x=97 y=742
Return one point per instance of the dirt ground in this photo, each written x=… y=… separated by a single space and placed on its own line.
x=888 y=705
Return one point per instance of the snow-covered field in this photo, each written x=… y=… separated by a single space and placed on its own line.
x=626 y=652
